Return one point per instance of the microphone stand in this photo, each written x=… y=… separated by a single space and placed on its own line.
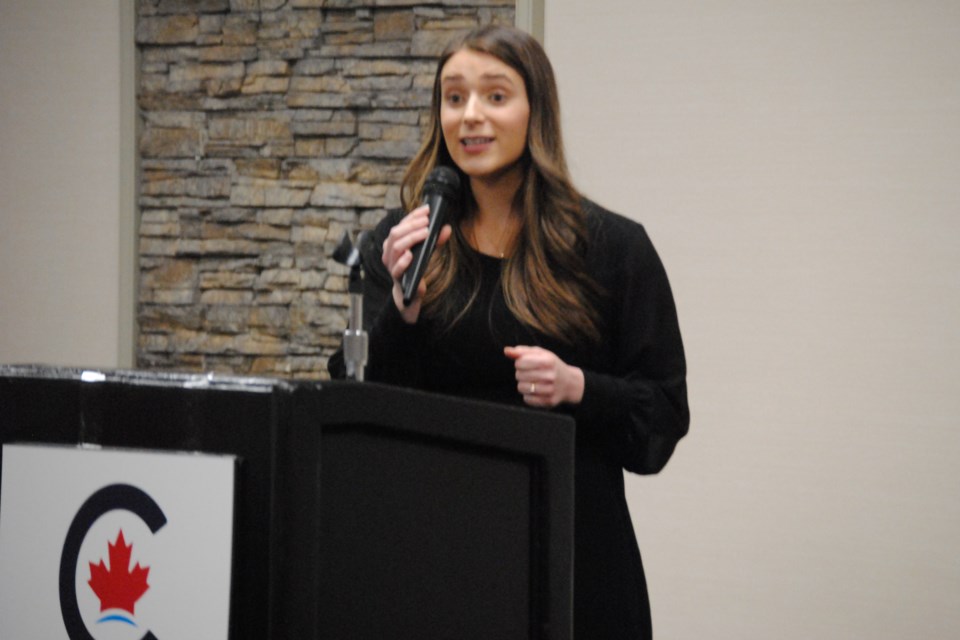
x=355 y=340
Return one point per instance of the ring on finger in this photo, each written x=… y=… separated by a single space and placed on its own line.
x=533 y=388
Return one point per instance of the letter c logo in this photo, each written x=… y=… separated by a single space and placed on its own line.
x=109 y=498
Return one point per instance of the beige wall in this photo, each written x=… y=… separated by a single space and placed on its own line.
x=66 y=168
x=798 y=166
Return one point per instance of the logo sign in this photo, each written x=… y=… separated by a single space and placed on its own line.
x=117 y=587
x=113 y=544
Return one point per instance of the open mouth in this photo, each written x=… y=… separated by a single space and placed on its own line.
x=473 y=142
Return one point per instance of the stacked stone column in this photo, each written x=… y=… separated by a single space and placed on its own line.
x=268 y=128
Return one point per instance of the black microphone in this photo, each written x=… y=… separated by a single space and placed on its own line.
x=442 y=192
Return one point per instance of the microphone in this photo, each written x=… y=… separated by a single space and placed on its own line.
x=442 y=192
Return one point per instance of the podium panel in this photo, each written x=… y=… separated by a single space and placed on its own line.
x=139 y=542
x=362 y=511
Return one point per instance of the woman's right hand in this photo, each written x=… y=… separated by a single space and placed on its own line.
x=398 y=256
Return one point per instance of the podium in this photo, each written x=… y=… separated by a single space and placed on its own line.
x=361 y=510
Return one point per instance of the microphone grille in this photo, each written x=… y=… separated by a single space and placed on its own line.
x=443 y=180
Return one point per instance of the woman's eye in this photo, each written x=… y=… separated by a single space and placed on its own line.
x=498 y=97
x=454 y=98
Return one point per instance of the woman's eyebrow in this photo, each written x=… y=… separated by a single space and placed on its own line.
x=457 y=77
x=497 y=76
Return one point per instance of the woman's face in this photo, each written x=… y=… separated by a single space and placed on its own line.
x=484 y=114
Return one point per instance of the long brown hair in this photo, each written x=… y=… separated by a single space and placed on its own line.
x=544 y=281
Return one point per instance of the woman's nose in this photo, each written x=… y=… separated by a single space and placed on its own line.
x=473 y=111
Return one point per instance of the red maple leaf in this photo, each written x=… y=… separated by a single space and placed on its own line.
x=118 y=587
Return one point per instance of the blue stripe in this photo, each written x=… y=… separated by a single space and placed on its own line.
x=117 y=618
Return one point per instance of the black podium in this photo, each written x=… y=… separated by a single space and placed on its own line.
x=363 y=511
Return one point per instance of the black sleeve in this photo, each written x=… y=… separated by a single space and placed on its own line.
x=640 y=400
x=394 y=344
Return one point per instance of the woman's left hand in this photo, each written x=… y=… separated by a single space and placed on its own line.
x=543 y=379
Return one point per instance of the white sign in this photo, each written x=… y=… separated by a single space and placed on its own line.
x=114 y=544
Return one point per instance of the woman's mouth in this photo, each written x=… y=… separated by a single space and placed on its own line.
x=475 y=144
x=472 y=142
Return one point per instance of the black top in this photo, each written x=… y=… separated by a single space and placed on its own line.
x=634 y=407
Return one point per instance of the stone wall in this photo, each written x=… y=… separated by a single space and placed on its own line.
x=269 y=127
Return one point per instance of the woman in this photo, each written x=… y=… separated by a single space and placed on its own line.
x=537 y=296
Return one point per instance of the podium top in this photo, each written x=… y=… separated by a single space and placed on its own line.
x=142 y=377
x=343 y=402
